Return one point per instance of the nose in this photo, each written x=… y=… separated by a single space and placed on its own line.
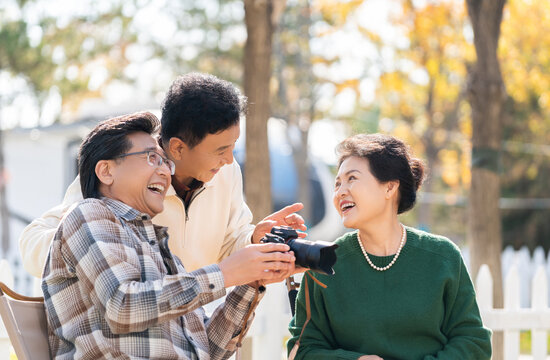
x=228 y=158
x=340 y=191
x=164 y=169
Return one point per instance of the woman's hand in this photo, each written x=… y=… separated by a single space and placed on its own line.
x=370 y=357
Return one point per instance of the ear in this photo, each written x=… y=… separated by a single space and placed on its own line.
x=392 y=188
x=104 y=171
x=175 y=148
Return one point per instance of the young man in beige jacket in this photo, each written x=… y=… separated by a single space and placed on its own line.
x=204 y=209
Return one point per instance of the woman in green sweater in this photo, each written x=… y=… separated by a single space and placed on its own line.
x=398 y=292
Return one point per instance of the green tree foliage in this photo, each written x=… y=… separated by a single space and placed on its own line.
x=49 y=51
x=79 y=53
x=209 y=36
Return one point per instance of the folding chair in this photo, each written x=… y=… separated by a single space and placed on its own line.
x=25 y=321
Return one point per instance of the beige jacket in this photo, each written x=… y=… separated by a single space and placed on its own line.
x=217 y=224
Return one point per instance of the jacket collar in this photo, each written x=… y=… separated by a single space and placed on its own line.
x=172 y=192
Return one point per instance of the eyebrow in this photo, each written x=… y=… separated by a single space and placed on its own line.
x=349 y=172
x=222 y=148
x=153 y=148
x=156 y=149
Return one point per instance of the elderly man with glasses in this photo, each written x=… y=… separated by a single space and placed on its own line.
x=112 y=287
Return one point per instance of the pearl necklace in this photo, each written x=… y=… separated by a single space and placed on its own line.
x=403 y=237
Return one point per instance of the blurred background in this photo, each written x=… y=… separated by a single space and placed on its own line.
x=319 y=70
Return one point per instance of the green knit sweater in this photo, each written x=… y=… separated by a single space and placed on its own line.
x=423 y=307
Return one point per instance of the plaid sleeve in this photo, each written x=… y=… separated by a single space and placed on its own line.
x=210 y=277
x=226 y=324
x=109 y=267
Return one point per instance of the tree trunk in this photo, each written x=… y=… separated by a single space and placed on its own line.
x=4 y=210
x=301 y=161
x=486 y=94
x=257 y=72
x=425 y=208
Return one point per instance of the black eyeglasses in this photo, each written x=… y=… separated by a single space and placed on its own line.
x=154 y=159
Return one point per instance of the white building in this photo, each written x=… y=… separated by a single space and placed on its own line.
x=40 y=163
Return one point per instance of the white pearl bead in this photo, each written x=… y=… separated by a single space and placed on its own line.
x=403 y=238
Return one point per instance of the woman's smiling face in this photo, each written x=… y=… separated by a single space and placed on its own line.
x=358 y=196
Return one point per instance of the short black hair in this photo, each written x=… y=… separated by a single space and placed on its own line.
x=108 y=140
x=200 y=104
x=388 y=159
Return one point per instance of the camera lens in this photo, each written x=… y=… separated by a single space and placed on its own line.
x=318 y=256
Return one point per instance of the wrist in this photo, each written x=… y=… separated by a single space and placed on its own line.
x=227 y=276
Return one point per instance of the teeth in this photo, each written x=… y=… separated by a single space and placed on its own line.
x=156 y=187
x=347 y=206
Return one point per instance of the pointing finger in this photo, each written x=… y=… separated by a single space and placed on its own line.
x=287 y=210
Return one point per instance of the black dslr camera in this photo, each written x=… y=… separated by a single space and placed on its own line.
x=318 y=256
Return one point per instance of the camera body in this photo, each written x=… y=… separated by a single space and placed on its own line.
x=318 y=256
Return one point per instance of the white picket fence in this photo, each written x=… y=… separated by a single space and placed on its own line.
x=513 y=318
x=526 y=264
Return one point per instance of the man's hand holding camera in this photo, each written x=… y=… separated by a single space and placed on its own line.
x=318 y=256
x=281 y=253
x=264 y=262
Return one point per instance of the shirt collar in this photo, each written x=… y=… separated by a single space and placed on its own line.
x=124 y=211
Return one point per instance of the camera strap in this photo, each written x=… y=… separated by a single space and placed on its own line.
x=245 y=323
x=294 y=350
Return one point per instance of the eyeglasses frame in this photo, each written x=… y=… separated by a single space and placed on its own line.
x=171 y=165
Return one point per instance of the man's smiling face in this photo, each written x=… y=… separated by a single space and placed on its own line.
x=204 y=160
x=137 y=183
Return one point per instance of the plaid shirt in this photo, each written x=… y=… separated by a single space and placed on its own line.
x=113 y=290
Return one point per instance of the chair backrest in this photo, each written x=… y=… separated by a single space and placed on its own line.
x=25 y=321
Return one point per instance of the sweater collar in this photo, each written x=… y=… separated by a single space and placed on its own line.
x=383 y=260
